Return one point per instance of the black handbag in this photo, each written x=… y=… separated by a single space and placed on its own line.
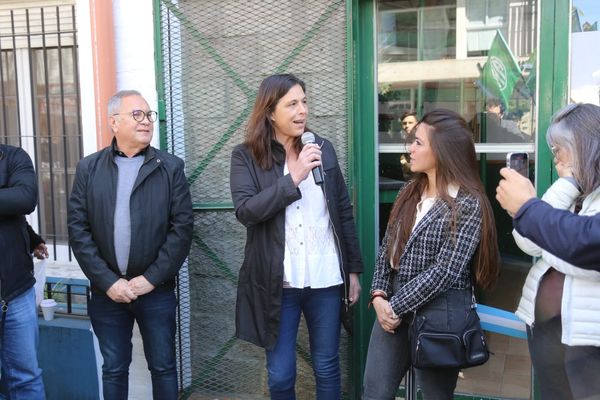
x=463 y=347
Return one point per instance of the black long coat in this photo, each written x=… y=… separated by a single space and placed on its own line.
x=260 y=198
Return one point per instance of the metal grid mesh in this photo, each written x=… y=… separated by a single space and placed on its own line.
x=215 y=54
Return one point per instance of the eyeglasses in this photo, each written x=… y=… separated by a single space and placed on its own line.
x=554 y=150
x=139 y=115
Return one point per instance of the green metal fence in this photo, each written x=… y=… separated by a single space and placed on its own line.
x=213 y=56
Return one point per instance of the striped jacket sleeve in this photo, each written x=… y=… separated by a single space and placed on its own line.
x=383 y=274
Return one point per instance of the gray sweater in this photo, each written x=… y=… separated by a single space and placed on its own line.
x=128 y=171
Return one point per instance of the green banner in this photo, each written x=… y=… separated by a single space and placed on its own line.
x=501 y=71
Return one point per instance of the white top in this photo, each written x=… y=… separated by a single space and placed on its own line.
x=311 y=258
x=426 y=203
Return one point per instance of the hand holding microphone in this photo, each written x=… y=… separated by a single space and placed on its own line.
x=308 y=159
x=317 y=171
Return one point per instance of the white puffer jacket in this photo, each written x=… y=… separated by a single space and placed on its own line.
x=581 y=291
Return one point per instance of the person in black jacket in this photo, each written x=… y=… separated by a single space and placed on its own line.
x=130 y=227
x=302 y=254
x=18 y=325
x=37 y=245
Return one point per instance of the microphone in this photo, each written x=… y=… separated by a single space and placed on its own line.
x=309 y=137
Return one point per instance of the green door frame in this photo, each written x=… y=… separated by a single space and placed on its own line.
x=366 y=192
x=553 y=67
x=553 y=80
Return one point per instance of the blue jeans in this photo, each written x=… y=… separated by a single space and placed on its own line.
x=19 y=335
x=388 y=357
x=113 y=325
x=321 y=309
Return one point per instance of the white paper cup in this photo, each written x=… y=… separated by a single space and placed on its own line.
x=48 y=306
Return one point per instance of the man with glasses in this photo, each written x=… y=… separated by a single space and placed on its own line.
x=130 y=228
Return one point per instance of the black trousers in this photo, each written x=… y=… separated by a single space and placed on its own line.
x=563 y=372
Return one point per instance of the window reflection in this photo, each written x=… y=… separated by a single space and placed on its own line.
x=9 y=123
x=431 y=55
x=484 y=17
x=416 y=33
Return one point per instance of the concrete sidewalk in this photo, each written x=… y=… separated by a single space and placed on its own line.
x=140 y=384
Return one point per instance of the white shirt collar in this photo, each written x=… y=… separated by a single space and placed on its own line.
x=453 y=190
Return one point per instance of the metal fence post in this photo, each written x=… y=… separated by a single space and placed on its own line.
x=411 y=385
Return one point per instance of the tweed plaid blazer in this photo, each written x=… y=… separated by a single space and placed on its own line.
x=434 y=258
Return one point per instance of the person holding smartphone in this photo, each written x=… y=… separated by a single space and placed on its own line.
x=560 y=302
x=575 y=237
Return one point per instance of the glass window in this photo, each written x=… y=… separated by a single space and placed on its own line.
x=57 y=135
x=411 y=34
x=40 y=109
x=585 y=64
x=484 y=17
x=398 y=36
x=9 y=123
x=438 y=33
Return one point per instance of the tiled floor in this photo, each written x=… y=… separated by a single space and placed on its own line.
x=507 y=374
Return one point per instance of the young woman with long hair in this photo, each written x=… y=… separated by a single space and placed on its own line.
x=440 y=241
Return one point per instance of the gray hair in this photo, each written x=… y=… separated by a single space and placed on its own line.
x=114 y=103
x=576 y=128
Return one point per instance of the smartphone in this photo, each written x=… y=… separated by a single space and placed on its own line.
x=518 y=162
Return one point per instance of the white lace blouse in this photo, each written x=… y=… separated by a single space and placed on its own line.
x=311 y=258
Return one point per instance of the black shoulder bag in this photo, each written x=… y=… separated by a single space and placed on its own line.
x=463 y=347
